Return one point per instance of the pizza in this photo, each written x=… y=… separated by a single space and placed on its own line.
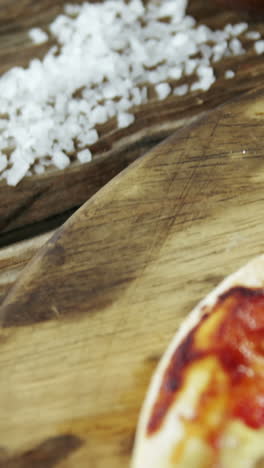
x=205 y=404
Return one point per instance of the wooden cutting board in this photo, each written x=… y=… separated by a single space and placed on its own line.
x=41 y=203
x=84 y=326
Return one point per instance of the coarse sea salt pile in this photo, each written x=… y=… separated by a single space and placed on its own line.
x=107 y=55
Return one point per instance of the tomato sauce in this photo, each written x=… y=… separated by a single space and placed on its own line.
x=233 y=335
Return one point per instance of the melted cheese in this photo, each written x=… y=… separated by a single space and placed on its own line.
x=209 y=411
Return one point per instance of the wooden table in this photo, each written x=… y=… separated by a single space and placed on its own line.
x=31 y=212
x=86 y=322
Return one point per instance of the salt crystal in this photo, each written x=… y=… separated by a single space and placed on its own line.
x=39 y=169
x=123 y=104
x=202 y=34
x=181 y=90
x=219 y=51
x=110 y=108
x=163 y=90
x=153 y=77
x=253 y=35
x=228 y=29
x=84 y=156
x=136 y=96
x=236 y=47
x=206 y=80
x=60 y=159
x=259 y=47
x=180 y=40
x=172 y=8
x=19 y=171
x=175 y=72
x=229 y=74
x=89 y=137
x=109 y=91
x=38 y=36
x=239 y=28
x=72 y=10
x=98 y=115
x=46 y=161
x=92 y=137
x=124 y=119
x=187 y=22
x=206 y=51
x=190 y=66
x=3 y=123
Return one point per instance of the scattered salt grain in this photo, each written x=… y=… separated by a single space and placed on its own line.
x=190 y=66
x=108 y=55
x=72 y=10
x=236 y=47
x=111 y=108
x=89 y=137
x=84 y=156
x=124 y=119
x=253 y=35
x=60 y=160
x=229 y=74
x=163 y=90
x=98 y=115
x=181 y=90
x=219 y=50
x=259 y=47
x=206 y=78
x=239 y=29
x=20 y=169
x=136 y=96
x=168 y=9
x=38 y=36
x=124 y=104
x=39 y=168
x=175 y=73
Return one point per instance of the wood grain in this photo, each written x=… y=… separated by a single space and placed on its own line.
x=40 y=203
x=86 y=323
x=15 y=257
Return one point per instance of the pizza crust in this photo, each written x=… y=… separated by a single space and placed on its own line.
x=150 y=452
